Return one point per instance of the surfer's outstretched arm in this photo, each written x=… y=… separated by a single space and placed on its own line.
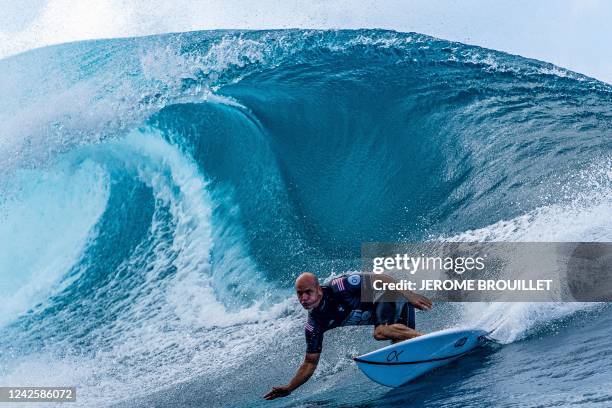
x=418 y=301
x=308 y=367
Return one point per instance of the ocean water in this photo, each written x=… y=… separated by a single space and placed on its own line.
x=159 y=195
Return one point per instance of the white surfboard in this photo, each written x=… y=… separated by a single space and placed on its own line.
x=402 y=362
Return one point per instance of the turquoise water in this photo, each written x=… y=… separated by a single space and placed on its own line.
x=159 y=195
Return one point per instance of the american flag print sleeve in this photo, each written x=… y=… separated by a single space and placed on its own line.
x=314 y=336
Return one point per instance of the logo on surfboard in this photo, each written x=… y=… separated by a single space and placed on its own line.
x=460 y=342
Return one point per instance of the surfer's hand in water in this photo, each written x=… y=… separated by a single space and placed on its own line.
x=301 y=376
x=278 y=392
x=420 y=302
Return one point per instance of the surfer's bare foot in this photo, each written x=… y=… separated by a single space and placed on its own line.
x=417 y=334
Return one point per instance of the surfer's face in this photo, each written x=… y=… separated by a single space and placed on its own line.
x=309 y=294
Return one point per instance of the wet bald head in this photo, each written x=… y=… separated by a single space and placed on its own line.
x=308 y=290
x=307 y=278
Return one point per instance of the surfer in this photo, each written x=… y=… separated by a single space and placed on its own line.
x=341 y=304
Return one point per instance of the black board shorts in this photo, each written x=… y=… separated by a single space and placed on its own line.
x=399 y=311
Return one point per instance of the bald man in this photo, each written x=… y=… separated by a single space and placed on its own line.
x=340 y=304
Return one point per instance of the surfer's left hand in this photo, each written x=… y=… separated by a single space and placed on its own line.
x=420 y=302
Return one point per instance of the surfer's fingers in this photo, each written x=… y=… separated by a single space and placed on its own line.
x=271 y=395
x=426 y=302
x=423 y=304
x=276 y=392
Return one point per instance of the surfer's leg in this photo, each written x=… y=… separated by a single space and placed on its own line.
x=395 y=322
x=395 y=332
